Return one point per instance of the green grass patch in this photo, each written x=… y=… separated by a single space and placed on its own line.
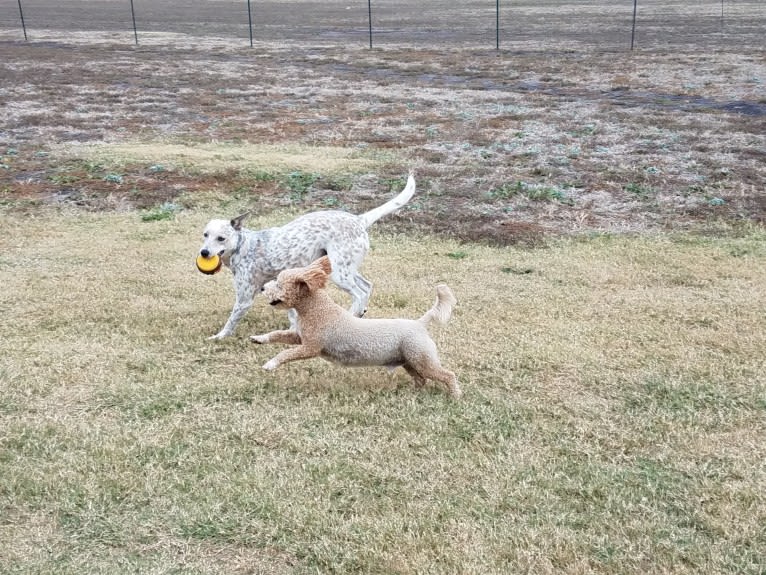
x=299 y=183
x=640 y=190
x=166 y=211
x=533 y=192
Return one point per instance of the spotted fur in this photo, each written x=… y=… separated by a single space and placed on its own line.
x=257 y=256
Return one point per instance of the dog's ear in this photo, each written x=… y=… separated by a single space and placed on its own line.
x=323 y=264
x=236 y=223
x=314 y=277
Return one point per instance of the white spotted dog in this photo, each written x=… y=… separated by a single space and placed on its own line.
x=256 y=257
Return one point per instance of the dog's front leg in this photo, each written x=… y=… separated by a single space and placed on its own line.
x=291 y=354
x=281 y=336
x=245 y=295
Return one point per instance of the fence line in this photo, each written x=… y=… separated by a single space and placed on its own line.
x=369 y=19
x=633 y=27
x=133 y=16
x=23 y=25
x=515 y=11
x=250 y=22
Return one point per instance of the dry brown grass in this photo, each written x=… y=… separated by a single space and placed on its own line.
x=519 y=144
x=612 y=419
x=222 y=157
x=614 y=393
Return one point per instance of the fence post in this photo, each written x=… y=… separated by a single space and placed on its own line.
x=250 y=22
x=497 y=24
x=369 y=19
x=633 y=32
x=722 y=16
x=23 y=25
x=133 y=15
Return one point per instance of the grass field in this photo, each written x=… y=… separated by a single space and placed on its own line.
x=613 y=417
x=522 y=145
x=599 y=215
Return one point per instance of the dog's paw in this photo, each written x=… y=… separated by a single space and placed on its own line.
x=219 y=335
x=357 y=313
x=259 y=338
x=271 y=365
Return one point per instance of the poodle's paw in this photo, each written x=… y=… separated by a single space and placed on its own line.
x=271 y=365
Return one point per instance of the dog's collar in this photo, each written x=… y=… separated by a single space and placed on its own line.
x=239 y=244
x=226 y=257
x=258 y=242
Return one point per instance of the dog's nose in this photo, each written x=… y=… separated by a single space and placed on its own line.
x=205 y=253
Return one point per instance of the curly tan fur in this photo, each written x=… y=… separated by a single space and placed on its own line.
x=324 y=329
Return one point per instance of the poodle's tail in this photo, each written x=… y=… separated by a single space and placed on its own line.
x=442 y=308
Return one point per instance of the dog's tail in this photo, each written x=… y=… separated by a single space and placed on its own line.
x=369 y=218
x=441 y=311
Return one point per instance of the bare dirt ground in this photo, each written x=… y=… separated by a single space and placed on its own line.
x=509 y=146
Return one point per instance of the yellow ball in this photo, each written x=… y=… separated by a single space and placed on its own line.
x=209 y=265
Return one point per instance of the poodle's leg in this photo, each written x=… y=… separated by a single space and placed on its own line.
x=436 y=372
x=291 y=354
x=281 y=336
x=419 y=379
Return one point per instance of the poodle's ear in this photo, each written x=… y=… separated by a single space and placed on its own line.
x=324 y=264
x=236 y=223
x=315 y=275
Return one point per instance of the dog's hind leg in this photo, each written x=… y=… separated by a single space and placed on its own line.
x=420 y=381
x=437 y=373
x=345 y=261
x=364 y=286
x=356 y=285
x=363 y=283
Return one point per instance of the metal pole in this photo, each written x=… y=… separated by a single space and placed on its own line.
x=497 y=24
x=369 y=19
x=133 y=14
x=633 y=33
x=23 y=26
x=250 y=22
x=722 y=16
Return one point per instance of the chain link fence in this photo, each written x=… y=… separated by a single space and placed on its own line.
x=505 y=24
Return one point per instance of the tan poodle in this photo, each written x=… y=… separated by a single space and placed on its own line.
x=325 y=329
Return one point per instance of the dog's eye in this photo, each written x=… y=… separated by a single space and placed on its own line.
x=220 y=239
x=204 y=235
